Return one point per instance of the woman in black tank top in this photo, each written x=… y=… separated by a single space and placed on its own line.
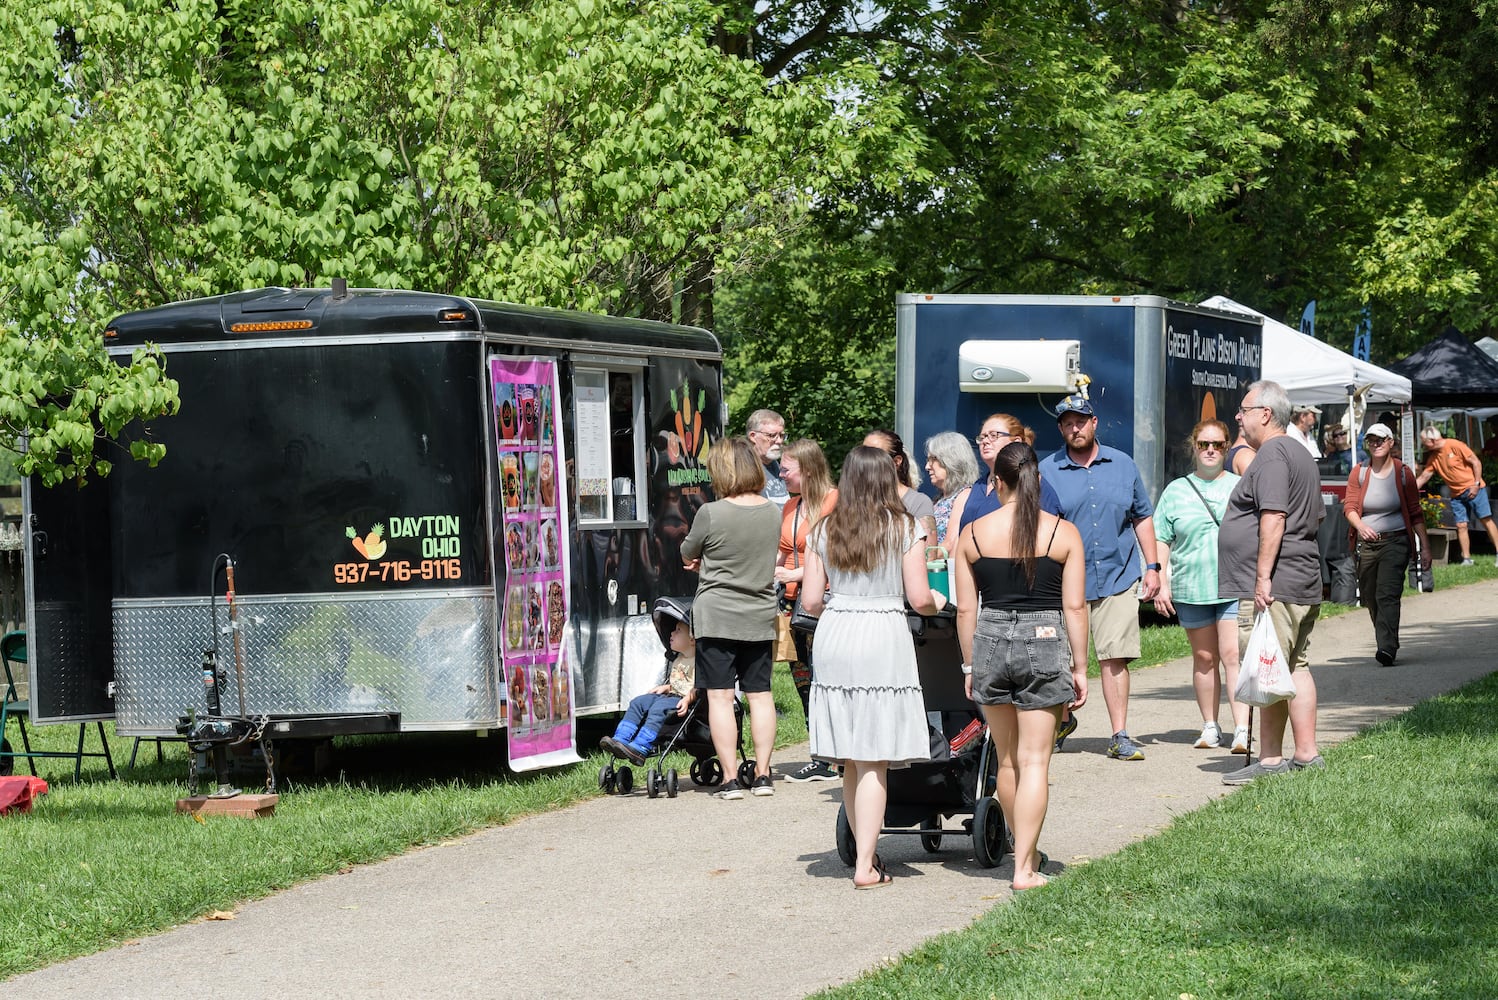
x=1026 y=646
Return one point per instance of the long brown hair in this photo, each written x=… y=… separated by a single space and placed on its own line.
x=905 y=472
x=1019 y=470
x=816 y=477
x=869 y=522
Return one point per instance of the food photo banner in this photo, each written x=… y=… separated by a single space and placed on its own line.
x=533 y=593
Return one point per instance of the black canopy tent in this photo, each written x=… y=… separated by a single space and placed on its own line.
x=1450 y=373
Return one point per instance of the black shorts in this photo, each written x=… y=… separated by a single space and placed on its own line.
x=724 y=663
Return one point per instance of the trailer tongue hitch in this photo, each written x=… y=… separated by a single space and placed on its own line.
x=214 y=734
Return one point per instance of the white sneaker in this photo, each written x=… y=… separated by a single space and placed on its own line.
x=1465 y=562
x=1211 y=736
x=1240 y=740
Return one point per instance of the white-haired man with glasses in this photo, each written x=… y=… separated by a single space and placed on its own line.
x=1268 y=559
x=766 y=432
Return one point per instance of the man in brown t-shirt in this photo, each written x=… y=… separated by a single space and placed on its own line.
x=1461 y=471
x=1267 y=558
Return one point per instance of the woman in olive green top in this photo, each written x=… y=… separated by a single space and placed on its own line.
x=732 y=547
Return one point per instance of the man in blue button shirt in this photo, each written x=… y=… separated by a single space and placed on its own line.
x=1103 y=494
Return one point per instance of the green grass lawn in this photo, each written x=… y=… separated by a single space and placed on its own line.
x=106 y=861
x=1377 y=877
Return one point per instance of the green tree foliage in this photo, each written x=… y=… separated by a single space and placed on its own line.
x=605 y=155
x=1271 y=152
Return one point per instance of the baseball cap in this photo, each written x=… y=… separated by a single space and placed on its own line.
x=1378 y=430
x=1075 y=404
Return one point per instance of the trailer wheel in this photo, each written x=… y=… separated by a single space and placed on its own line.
x=672 y=785
x=846 y=848
x=606 y=778
x=931 y=841
x=746 y=773
x=990 y=838
x=625 y=781
x=653 y=783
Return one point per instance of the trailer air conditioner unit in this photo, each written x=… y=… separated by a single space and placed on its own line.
x=1019 y=365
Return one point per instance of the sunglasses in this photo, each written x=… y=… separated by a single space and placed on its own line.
x=1204 y=445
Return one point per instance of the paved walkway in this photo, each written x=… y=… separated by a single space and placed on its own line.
x=694 y=897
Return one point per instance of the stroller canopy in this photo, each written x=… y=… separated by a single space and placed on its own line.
x=667 y=612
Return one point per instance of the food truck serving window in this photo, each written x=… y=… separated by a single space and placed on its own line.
x=610 y=426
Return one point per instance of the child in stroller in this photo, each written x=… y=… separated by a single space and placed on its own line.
x=669 y=717
x=635 y=738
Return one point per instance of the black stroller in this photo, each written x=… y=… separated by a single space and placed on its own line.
x=960 y=778
x=689 y=732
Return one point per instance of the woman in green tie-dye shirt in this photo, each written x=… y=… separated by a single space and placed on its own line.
x=1186 y=522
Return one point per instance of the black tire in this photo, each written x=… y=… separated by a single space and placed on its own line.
x=990 y=835
x=931 y=841
x=846 y=848
x=606 y=778
x=625 y=780
x=746 y=774
x=712 y=773
x=697 y=772
x=672 y=784
x=653 y=783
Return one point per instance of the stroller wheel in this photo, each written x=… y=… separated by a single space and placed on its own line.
x=672 y=787
x=708 y=773
x=990 y=838
x=625 y=780
x=846 y=849
x=606 y=778
x=653 y=782
x=746 y=773
x=931 y=841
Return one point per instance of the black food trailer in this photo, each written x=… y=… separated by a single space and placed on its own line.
x=441 y=514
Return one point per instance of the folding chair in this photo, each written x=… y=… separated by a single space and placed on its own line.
x=13 y=652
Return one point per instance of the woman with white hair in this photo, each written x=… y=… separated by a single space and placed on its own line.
x=952 y=468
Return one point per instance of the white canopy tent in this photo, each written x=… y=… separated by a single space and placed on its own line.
x=1315 y=372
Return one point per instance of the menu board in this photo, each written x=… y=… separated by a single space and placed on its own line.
x=532 y=591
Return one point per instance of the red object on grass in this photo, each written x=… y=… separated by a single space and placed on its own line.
x=18 y=791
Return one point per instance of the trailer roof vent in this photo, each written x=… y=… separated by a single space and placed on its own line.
x=1019 y=365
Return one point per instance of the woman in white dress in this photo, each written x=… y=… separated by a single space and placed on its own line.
x=867 y=710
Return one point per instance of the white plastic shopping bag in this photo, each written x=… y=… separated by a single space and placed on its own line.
x=1264 y=674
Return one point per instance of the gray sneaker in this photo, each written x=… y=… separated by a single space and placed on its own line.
x=1306 y=765
x=1123 y=748
x=1258 y=769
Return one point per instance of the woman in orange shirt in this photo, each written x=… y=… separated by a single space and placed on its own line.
x=807 y=476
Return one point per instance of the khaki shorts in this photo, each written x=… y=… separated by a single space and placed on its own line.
x=1292 y=626
x=1114 y=622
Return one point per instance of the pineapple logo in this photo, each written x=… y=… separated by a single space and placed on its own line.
x=372 y=545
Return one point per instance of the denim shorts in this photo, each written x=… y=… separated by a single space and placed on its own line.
x=1202 y=615
x=1474 y=509
x=1021 y=658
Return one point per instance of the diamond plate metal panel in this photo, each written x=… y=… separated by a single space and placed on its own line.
x=427 y=657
